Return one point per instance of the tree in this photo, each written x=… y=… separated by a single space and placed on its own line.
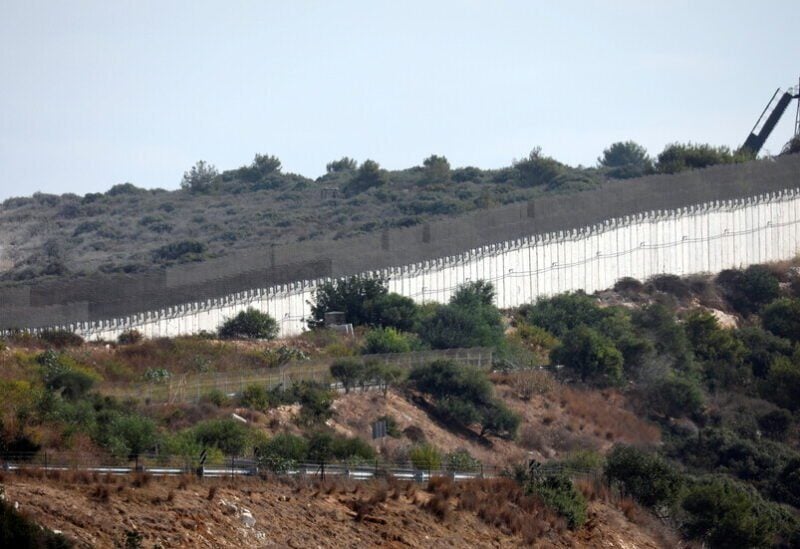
x=228 y=435
x=264 y=164
x=344 y=164
x=356 y=297
x=647 y=477
x=392 y=311
x=537 y=169
x=469 y=320
x=249 y=324
x=782 y=318
x=590 y=355
x=624 y=160
x=136 y=433
x=436 y=169
x=349 y=372
x=368 y=175
x=199 y=178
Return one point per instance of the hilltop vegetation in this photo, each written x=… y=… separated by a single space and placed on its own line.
x=129 y=229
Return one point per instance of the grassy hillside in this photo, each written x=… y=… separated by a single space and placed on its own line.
x=128 y=229
x=675 y=395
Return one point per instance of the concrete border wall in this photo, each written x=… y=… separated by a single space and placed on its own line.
x=101 y=297
x=706 y=237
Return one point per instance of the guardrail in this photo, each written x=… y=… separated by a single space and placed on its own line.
x=165 y=465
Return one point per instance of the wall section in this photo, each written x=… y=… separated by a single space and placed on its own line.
x=703 y=238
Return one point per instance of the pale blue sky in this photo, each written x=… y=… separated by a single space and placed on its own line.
x=94 y=93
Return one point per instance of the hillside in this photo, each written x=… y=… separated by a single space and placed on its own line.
x=129 y=229
x=658 y=409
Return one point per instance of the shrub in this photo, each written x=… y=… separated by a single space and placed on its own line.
x=132 y=435
x=186 y=250
x=425 y=457
x=61 y=338
x=677 y=157
x=249 y=324
x=256 y=397
x=747 y=291
x=776 y=424
x=724 y=514
x=73 y=384
x=386 y=340
x=782 y=384
x=591 y=356
x=368 y=175
x=281 y=452
x=674 y=396
x=782 y=318
x=537 y=169
x=315 y=403
x=645 y=476
x=717 y=347
x=558 y=493
x=130 y=337
x=464 y=395
x=461 y=460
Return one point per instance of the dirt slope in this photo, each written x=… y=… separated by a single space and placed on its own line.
x=164 y=513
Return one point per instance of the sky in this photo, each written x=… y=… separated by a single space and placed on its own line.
x=96 y=93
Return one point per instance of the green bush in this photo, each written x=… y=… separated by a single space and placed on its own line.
x=782 y=384
x=591 y=356
x=183 y=251
x=368 y=175
x=129 y=337
x=255 y=397
x=281 y=452
x=558 y=493
x=249 y=324
x=677 y=157
x=725 y=514
x=464 y=395
x=776 y=424
x=646 y=477
x=720 y=351
x=782 y=318
x=537 y=169
x=129 y=435
x=315 y=403
x=748 y=290
x=461 y=460
x=425 y=457
x=61 y=338
x=386 y=340
x=674 y=396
